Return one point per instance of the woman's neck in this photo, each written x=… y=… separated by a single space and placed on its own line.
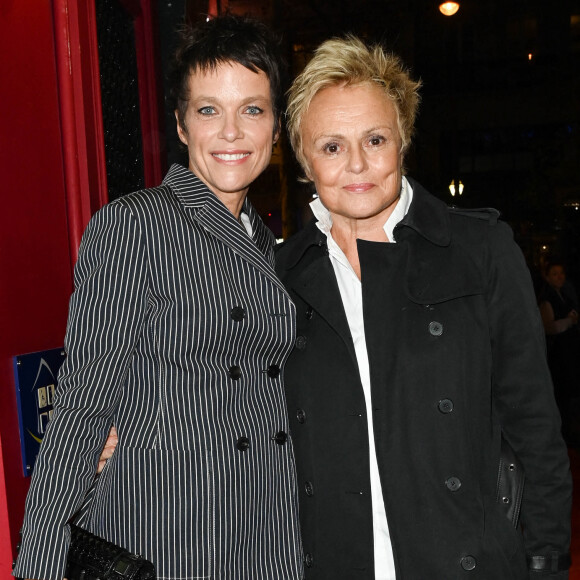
x=345 y=233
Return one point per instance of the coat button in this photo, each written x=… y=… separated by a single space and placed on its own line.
x=468 y=563
x=301 y=342
x=238 y=313
x=309 y=560
x=309 y=488
x=301 y=416
x=235 y=372
x=309 y=312
x=435 y=328
x=243 y=443
x=273 y=371
x=453 y=483
x=280 y=437
x=445 y=405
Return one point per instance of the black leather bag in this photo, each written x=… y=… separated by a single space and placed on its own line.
x=510 y=483
x=93 y=558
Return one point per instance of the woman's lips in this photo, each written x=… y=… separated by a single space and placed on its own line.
x=231 y=157
x=359 y=187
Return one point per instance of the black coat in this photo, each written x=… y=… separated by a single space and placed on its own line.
x=457 y=354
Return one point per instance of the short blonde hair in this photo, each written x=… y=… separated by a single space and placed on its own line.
x=349 y=61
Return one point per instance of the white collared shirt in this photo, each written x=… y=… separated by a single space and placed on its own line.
x=351 y=293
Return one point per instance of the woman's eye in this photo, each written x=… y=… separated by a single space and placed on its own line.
x=206 y=111
x=376 y=140
x=254 y=110
x=331 y=148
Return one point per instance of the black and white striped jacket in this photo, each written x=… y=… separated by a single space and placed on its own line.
x=178 y=332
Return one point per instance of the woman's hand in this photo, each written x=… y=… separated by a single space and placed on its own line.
x=573 y=316
x=108 y=449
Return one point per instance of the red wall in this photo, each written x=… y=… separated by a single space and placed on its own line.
x=35 y=263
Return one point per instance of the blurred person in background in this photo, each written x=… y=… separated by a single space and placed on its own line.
x=559 y=309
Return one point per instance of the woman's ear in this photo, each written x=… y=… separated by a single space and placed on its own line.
x=181 y=132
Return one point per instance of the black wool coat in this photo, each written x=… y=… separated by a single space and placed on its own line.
x=457 y=356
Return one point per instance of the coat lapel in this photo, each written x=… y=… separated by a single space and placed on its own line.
x=315 y=282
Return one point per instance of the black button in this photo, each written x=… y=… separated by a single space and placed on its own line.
x=309 y=560
x=468 y=563
x=301 y=416
x=435 y=328
x=445 y=405
x=243 y=443
x=301 y=342
x=505 y=500
x=309 y=312
x=273 y=371
x=238 y=313
x=235 y=372
x=453 y=483
x=309 y=488
x=280 y=437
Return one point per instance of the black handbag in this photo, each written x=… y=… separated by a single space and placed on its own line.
x=510 y=483
x=93 y=558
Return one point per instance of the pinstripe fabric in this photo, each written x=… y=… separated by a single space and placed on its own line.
x=150 y=342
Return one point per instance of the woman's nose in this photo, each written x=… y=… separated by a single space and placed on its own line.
x=231 y=129
x=357 y=161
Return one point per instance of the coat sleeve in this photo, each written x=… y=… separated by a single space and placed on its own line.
x=106 y=314
x=524 y=400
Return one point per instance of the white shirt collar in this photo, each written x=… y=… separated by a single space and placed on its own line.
x=245 y=221
x=324 y=219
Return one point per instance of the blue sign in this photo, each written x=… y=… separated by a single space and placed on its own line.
x=36 y=379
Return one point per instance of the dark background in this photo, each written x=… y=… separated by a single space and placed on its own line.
x=500 y=105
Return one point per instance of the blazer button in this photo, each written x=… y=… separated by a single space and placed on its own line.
x=468 y=563
x=453 y=483
x=235 y=372
x=435 y=328
x=238 y=313
x=301 y=342
x=445 y=406
x=301 y=416
x=309 y=312
x=243 y=443
x=273 y=371
x=280 y=437
x=309 y=560
x=309 y=488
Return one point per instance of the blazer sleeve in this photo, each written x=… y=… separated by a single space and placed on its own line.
x=524 y=400
x=106 y=314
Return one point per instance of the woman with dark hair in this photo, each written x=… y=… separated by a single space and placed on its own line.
x=178 y=333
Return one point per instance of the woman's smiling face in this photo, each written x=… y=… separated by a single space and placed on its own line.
x=352 y=146
x=229 y=128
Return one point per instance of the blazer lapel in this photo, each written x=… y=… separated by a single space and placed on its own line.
x=209 y=212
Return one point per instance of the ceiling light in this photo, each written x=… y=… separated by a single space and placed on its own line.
x=449 y=8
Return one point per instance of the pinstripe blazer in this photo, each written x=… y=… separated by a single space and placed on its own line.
x=178 y=332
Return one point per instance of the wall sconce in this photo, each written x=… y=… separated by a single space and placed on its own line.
x=453 y=189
